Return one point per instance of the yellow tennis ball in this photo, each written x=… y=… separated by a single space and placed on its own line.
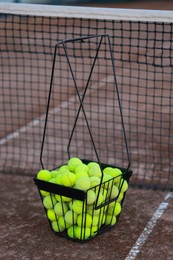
x=84 y=220
x=55 y=226
x=54 y=173
x=94 y=181
x=62 y=198
x=71 y=232
x=81 y=167
x=78 y=206
x=82 y=233
x=92 y=211
x=62 y=223
x=95 y=220
x=95 y=171
x=115 y=209
x=63 y=169
x=58 y=179
x=105 y=194
x=73 y=163
x=68 y=179
x=83 y=183
x=49 y=201
x=107 y=170
x=120 y=196
x=116 y=174
x=44 y=193
x=100 y=199
x=81 y=174
x=52 y=180
x=92 y=164
x=91 y=197
x=44 y=175
x=94 y=230
x=110 y=220
x=51 y=215
x=71 y=217
x=123 y=185
x=107 y=181
x=113 y=192
x=60 y=208
x=102 y=219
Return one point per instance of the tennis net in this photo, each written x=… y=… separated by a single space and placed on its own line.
x=142 y=45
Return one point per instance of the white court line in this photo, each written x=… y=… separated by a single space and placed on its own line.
x=149 y=227
x=53 y=111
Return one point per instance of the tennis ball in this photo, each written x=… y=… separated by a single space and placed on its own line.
x=58 y=179
x=81 y=174
x=60 y=208
x=62 y=224
x=120 y=196
x=116 y=174
x=95 y=220
x=110 y=220
x=73 y=163
x=112 y=204
x=94 y=181
x=84 y=220
x=81 y=167
x=95 y=171
x=83 y=183
x=104 y=193
x=62 y=198
x=102 y=219
x=82 y=233
x=113 y=192
x=66 y=199
x=52 y=180
x=63 y=169
x=107 y=181
x=51 y=215
x=55 y=226
x=115 y=210
x=91 y=197
x=123 y=185
x=49 y=201
x=92 y=164
x=68 y=179
x=54 y=173
x=107 y=170
x=44 y=175
x=100 y=198
x=44 y=193
x=94 y=230
x=92 y=211
x=78 y=206
x=71 y=232
x=71 y=217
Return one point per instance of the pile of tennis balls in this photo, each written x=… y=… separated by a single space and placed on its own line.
x=79 y=218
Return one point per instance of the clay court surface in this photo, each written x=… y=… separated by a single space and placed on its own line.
x=145 y=225
x=26 y=234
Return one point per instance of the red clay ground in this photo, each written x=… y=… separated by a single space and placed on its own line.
x=25 y=232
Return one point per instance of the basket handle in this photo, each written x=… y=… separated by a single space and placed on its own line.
x=81 y=100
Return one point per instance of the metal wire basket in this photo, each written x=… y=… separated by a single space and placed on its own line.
x=82 y=213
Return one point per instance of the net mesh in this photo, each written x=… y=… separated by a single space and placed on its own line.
x=143 y=53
